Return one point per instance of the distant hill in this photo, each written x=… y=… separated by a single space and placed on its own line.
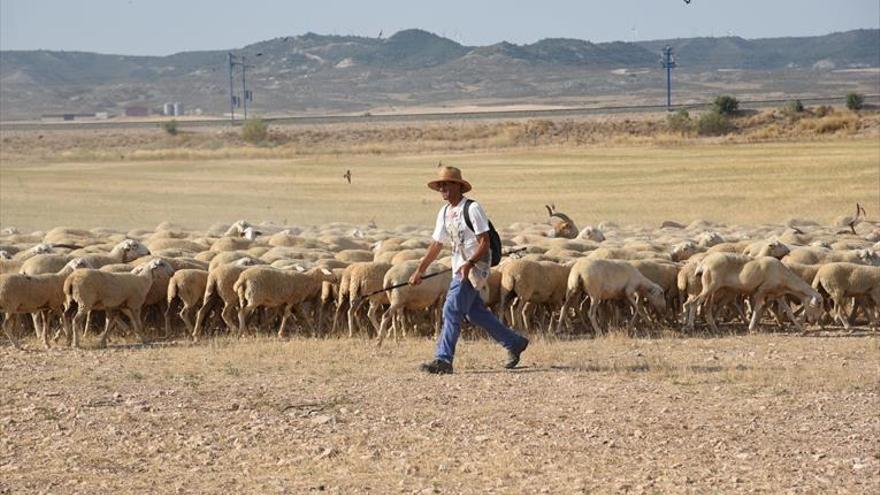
x=320 y=73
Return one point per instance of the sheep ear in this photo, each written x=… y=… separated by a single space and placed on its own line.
x=299 y=268
x=326 y=271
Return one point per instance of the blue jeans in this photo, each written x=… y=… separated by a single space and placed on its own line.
x=463 y=300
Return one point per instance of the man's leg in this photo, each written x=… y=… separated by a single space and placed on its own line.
x=480 y=315
x=459 y=300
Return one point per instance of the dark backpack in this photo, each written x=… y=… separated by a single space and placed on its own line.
x=494 y=238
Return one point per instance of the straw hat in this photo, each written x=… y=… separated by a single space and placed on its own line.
x=449 y=174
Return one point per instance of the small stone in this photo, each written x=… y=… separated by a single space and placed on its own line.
x=323 y=419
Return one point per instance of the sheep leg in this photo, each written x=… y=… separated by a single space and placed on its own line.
x=633 y=300
x=109 y=320
x=775 y=310
x=788 y=312
x=569 y=297
x=594 y=308
x=840 y=313
x=8 y=321
x=78 y=321
x=137 y=324
x=387 y=316
x=527 y=310
x=757 y=312
x=352 y=309
x=206 y=308
x=336 y=313
x=228 y=316
x=502 y=304
x=167 y=317
x=88 y=324
x=40 y=327
x=186 y=315
x=284 y=316
x=373 y=314
x=243 y=314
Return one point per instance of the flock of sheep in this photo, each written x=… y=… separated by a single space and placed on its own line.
x=554 y=278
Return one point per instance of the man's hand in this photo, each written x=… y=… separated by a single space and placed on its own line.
x=465 y=270
x=415 y=278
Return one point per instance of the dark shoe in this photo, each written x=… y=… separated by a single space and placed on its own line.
x=437 y=367
x=513 y=356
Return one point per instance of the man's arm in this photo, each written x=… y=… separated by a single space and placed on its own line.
x=483 y=247
x=433 y=251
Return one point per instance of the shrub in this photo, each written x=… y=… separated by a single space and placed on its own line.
x=714 y=124
x=255 y=131
x=725 y=105
x=855 y=101
x=170 y=127
x=794 y=106
x=831 y=123
x=680 y=122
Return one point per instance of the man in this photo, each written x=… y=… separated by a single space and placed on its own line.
x=470 y=268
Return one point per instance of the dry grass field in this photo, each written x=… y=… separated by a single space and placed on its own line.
x=636 y=184
x=770 y=414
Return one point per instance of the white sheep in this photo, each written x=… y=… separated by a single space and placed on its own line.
x=40 y=295
x=96 y=290
x=533 y=283
x=124 y=252
x=267 y=287
x=188 y=285
x=358 y=280
x=849 y=280
x=602 y=280
x=423 y=297
x=762 y=279
x=219 y=288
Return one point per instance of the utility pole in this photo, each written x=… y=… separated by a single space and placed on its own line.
x=244 y=92
x=231 y=94
x=668 y=62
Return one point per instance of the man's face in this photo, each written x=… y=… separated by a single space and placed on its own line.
x=450 y=190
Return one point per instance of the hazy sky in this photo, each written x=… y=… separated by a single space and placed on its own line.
x=160 y=27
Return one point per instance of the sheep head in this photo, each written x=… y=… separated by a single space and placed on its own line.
x=684 y=250
x=250 y=233
x=4 y=255
x=777 y=249
x=42 y=248
x=131 y=250
x=815 y=309
x=654 y=293
x=709 y=239
x=78 y=263
x=869 y=256
x=247 y=261
x=592 y=233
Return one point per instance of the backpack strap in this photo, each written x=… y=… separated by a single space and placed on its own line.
x=467 y=214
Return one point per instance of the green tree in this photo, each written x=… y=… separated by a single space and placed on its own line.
x=855 y=101
x=725 y=105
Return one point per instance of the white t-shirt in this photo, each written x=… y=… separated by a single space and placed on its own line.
x=451 y=226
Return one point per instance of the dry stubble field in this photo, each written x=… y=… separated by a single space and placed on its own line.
x=769 y=413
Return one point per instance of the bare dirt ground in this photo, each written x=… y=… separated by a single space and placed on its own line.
x=764 y=414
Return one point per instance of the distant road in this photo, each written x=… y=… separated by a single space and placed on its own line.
x=417 y=117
